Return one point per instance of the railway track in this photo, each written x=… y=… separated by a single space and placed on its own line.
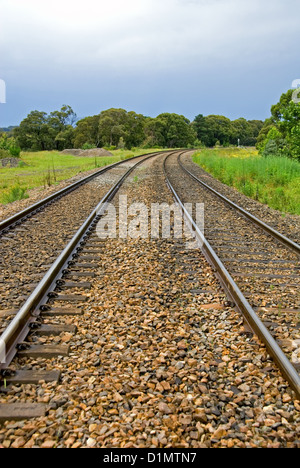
x=257 y=265
x=7 y=225
x=149 y=370
x=43 y=301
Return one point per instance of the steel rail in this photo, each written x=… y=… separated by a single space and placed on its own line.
x=22 y=215
x=20 y=326
x=277 y=235
x=241 y=303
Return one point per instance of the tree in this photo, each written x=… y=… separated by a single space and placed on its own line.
x=274 y=143
x=112 y=126
x=201 y=127
x=61 y=124
x=277 y=110
x=117 y=125
x=34 y=132
x=290 y=129
x=40 y=132
x=215 y=129
x=65 y=117
x=8 y=146
x=170 y=131
x=241 y=132
x=134 y=130
x=64 y=139
x=154 y=129
x=87 y=131
x=219 y=129
x=283 y=128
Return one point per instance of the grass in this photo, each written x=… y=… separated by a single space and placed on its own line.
x=46 y=168
x=274 y=181
x=13 y=194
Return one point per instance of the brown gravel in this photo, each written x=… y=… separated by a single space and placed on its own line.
x=158 y=360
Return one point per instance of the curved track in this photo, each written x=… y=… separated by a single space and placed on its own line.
x=26 y=317
x=256 y=265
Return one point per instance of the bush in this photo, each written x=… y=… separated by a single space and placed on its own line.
x=13 y=194
x=15 y=151
x=87 y=146
x=271 y=149
x=4 y=153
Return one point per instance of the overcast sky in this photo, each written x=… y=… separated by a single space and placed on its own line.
x=228 y=57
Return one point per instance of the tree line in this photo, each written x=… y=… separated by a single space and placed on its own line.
x=117 y=128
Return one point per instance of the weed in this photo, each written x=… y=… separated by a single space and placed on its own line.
x=13 y=194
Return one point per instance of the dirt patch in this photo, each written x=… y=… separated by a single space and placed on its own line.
x=9 y=162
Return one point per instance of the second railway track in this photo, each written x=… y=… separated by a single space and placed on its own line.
x=262 y=262
x=32 y=239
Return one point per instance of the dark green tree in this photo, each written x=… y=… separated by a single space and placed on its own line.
x=170 y=131
x=117 y=124
x=34 y=132
x=40 y=132
x=204 y=133
x=87 y=132
x=282 y=128
x=219 y=129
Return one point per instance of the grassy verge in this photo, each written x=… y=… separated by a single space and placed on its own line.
x=274 y=181
x=46 y=168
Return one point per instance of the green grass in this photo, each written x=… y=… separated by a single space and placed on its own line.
x=45 y=168
x=274 y=181
x=13 y=194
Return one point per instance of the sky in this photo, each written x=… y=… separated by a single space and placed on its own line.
x=190 y=57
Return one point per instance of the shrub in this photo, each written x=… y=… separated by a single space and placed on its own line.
x=13 y=194
x=271 y=148
x=87 y=146
x=4 y=153
x=15 y=151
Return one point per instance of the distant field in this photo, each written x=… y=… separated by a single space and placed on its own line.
x=42 y=169
x=274 y=181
